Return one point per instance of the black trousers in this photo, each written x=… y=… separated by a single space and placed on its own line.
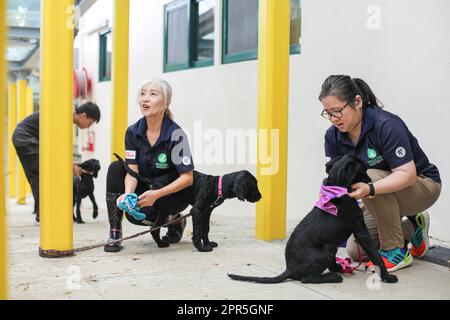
x=115 y=184
x=29 y=158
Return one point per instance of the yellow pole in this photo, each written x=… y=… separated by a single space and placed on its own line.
x=21 y=114
x=30 y=110
x=273 y=82
x=3 y=229
x=120 y=76
x=12 y=157
x=55 y=127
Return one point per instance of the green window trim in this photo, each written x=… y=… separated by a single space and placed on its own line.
x=190 y=63
x=102 y=58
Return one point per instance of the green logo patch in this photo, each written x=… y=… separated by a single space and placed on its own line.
x=373 y=157
x=162 y=158
x=371 y=154
x=162 y=161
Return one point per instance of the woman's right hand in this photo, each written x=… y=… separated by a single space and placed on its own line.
x=121 y=198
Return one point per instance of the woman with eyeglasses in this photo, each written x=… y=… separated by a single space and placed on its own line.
x=404 y=182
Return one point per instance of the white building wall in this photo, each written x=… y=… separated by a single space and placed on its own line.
x=89 y=35
x=406 y=61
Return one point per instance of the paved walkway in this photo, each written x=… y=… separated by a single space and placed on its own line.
x=144 y=271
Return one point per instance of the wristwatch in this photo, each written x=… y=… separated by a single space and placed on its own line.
x=371 y=191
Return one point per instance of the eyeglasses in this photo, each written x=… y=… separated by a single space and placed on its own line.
x=337 y=114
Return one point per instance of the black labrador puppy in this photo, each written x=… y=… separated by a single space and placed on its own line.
x=206 y=194
x=84 y=187
x=312 y=246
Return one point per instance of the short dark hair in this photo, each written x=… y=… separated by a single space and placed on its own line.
x=91 y=110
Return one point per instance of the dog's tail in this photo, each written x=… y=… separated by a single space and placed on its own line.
x=133 y=173
x=285 y=275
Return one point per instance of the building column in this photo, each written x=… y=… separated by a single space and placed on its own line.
x=12 y=156
x=3 y=228
x=273 y=93
x=21 y=114
x=56 y=125
x=120 y=53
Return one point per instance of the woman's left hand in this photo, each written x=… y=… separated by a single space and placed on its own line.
x=148 y=198
x=361 y=190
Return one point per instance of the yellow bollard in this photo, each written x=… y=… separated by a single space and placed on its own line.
x=3 y=229
x=30 y=110
x=56 y=120
x=120 y=76
x=21 y=114
x=12 y=156
x=273 y=83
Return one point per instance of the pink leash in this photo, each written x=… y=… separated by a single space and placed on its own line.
x=346 y=263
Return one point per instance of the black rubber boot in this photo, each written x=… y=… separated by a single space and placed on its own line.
x=175 y=231
x=115 y=222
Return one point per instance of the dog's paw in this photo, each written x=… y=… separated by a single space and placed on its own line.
x=79 y=221
x=163 y=244
x=213 y=244
x=389 y=278
x=95 y=214
x=205 y=249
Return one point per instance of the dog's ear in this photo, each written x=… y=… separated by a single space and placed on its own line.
x=331 y=163
x=240 y=187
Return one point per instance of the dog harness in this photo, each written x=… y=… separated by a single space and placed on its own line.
x=328 y=193
x=219 y=199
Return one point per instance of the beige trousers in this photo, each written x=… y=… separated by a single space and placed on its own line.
x=384 y=214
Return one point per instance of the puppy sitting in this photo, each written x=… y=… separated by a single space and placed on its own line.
x=313 y=244
x=84 y=187
x=206 y=194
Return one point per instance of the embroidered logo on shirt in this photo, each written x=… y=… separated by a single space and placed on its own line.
x=130 y=154
x=371 y=154
x=400 y=152
x=162 y=161
x=186 y=161
x=373 y=157
x=162 y=158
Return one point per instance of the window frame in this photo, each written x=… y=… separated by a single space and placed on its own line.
x=102 y=53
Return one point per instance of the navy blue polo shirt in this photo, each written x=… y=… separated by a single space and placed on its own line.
x=170 y=152
x=385 y=143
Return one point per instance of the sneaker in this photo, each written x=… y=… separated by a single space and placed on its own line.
x=420 y=242
x=394 y=259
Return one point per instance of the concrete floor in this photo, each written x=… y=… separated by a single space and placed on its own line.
x=144 y=271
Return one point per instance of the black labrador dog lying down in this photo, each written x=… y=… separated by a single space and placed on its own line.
x=84 y=187
x=206 y=194
x=312 y=246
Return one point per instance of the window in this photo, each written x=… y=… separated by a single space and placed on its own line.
x=203 y=32
x=188 y=34
x=295 y=26
x=240 y=30
x=105 y=56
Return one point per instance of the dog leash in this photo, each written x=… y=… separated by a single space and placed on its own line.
x=68 y=253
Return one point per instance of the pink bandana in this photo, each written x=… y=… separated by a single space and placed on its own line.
x=327 y=193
